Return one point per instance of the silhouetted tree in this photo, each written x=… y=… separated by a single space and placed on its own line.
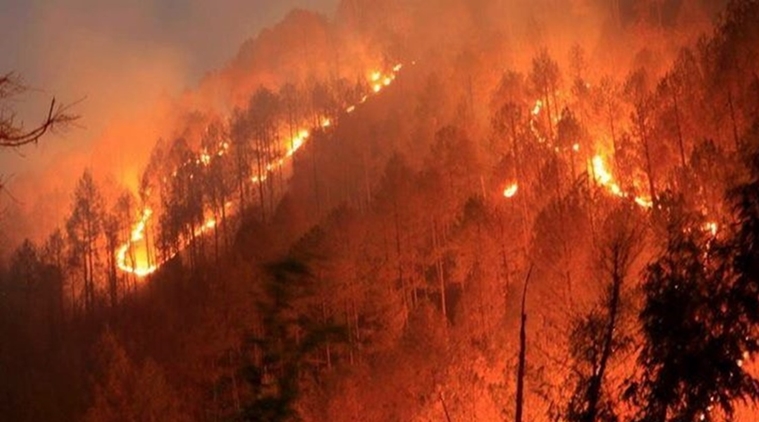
x=111 y=234
x=218 y=179
x=126 y=391
x=638 y=92
x=182 y=197
x=699 y=322
x=571 y=137
x=262 y=117
x=84 y=228
x=598 y=336
x=546 y=77
x=243 y=155
x=289 y=334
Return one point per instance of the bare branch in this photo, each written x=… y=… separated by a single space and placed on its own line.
x=14 y=135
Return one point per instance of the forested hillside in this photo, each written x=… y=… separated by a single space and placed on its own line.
x=415 y=211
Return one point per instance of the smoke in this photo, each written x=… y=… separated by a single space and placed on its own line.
x=132 y=65
x=143 y=68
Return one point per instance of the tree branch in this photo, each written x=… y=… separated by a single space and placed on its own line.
x=14 y=135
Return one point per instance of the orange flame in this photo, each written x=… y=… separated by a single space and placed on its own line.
x=604 y=178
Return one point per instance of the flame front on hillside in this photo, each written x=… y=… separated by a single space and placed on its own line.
x=136 y=256
x=133 y=256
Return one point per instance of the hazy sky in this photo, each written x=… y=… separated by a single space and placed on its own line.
x=122 y=55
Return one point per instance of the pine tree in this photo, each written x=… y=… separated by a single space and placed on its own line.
x=699 y=323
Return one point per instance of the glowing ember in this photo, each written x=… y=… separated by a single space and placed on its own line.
x=297 y=142
x=538 y=107
x=205 y=158
x=711 y=227
x=511 y=190
x=208 y=225
x=643 y=202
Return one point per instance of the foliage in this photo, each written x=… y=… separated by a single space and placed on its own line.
x=699 y=322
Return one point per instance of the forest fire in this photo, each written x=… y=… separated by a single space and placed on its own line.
x=137 y=257
x=553 y=216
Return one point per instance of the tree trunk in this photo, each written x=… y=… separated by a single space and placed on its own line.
x=613 y=134
x=241 y=182
x=439 y=270
x=316 y=183
x=596 y=381
x=647 y=152
x=445 y=408
x=736 y=138
x=522 y=352
x=679 y=128
x=399 y=254
x=260 y=171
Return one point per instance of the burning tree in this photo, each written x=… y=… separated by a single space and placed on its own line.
x=262 y=119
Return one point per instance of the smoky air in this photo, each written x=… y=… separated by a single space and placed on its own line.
x=388 y=210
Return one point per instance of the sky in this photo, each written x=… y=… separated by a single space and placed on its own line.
x=120 y=58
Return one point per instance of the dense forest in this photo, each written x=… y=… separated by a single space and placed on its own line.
x=459 y=210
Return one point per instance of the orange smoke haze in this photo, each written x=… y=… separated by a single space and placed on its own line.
x=136 y=69
x=140 y=69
